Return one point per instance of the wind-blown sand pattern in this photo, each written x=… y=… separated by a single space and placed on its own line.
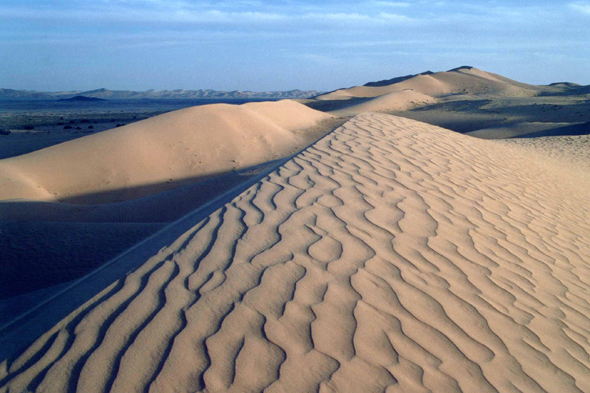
x=390 y=256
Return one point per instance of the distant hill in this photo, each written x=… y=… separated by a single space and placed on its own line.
x=81 y=98
x=10 y=94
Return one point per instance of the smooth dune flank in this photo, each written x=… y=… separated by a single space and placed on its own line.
x=425 y=91
x=390 y=256
x=160 y=153
x=463 y=80
x=394 y=101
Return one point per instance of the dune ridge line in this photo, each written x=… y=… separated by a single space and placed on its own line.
x=389 y=256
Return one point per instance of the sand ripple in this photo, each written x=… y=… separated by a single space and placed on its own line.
x=390 y=256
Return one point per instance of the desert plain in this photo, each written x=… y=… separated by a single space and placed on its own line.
x=428 y=233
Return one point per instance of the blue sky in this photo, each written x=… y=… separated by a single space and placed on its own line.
x=280 y=45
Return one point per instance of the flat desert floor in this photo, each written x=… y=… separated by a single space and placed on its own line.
x=391 y=255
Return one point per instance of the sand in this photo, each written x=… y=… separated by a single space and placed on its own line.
x=391 y=255
x=43 y=244
x=70 y=208
x=159 y=153
x=469 y=100
x=395 y=101
x=463 y=80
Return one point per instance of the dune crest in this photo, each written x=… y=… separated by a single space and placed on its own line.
x=462 y=80
x=411 y=92
x=389 y=256
x=146 y=157
x=395 y=101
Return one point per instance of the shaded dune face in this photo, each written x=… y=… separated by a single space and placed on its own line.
x=390 y=256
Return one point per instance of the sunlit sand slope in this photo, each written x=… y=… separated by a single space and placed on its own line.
x=160 y=153
x=390 y=256
x=395 y=101
x=462 y=80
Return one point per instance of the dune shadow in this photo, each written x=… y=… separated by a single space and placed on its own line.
x=473 y=115
x=47 y=243
x=333 y=105
x=42 y=254
x=126 y=194
x=167 y=202
x=573 y=130
x=44 y=314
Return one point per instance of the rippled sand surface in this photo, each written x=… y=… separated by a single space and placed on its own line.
x=391 y=256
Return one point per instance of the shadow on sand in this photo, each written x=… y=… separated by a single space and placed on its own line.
x=573 y=130
x=47 y=243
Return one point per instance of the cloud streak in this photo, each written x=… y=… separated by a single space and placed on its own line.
x=344 y=35
x=181 y=14
x=581 y=7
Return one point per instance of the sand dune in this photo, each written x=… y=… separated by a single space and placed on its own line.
x=395 y=101
x=46 y=243
x=565 y=155
x=463 y=84
x=164 y=207
x=512 y=130
x=38 y=255
x=129 y=179
x=390 y=256
x=160 y=153
x=463 y=80
x=532 y=130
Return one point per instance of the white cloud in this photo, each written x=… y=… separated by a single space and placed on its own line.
x=395 y=17
x=371 y=43
x=317 y=59
x=121 y=14
x=581 y=7
x=355 y=19
x=389 y=4
x=338 y=16
x=146 y=39
x=179 y=12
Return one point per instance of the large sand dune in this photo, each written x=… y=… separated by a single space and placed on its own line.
x=390 y=256
x=463 y=80
x=469 y=100
x=160 y=153
x=130 y=178
x=399 y=95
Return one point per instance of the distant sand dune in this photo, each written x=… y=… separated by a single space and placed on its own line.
x=159 y=153
x=395 y=101
x=390 y=256
x=464 y=80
